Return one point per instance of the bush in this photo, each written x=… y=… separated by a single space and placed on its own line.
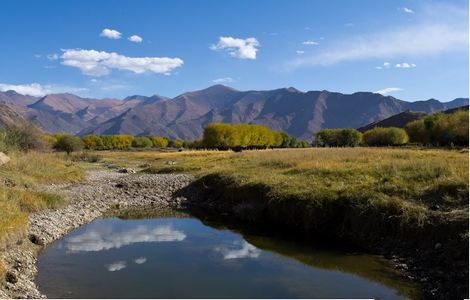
x=142 y=142
x=339 y=137
x=93 y=142
x=69 y=143
x=159 y=142
x=86 y=156
x=23 y=138
x=390 y=136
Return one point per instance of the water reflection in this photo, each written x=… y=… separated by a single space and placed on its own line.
x=105 y=238
x=116 y=266
x=140 y=260
x=113 y=258
x=246 y=251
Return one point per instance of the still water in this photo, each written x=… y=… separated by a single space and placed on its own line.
x=180 y=257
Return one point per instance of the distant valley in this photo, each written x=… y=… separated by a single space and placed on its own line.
x=298 y=113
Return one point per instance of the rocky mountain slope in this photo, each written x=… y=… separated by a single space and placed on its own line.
x=298 y=113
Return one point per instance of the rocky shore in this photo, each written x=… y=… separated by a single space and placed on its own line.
x=103 y=190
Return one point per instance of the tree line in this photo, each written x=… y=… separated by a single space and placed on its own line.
x=438 y=129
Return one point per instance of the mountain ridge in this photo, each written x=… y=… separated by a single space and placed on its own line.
x=184 y=116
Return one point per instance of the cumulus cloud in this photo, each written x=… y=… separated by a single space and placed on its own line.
x=299 y=52
x=310 y=43
x=388 y=90
x=98 y=63
x=135 y=38
x=110 y=34
x=36 y=89
x=98 y=240
x=408 y=10
x=239 y=48
x=434 y=34
x=116 y=266
x=246 y=251
x=405 y=65
x=140 y=260
x=223 y=80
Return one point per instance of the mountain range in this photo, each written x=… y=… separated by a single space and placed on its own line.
x=298 y=113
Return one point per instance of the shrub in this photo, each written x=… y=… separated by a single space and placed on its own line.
x=390 y=136
x=339 y=137
x=69 y=144
x=23 y=138
x=159 y=142
x=142 y=142
x=93 y=142
x=86 y=156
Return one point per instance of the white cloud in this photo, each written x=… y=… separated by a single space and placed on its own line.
x=140 y=260
x=105 y=239
x=99 y=63
x=116 y=266
x=239 y=48
x=386 y=65
x=52 y=56
x=135 y=38
x=110 y=34
x=442 y=30
x=299 y=52
x=37 y=90
x=405 y=65
x=223 y=80
x=408 y=10
x=388 y=90
x=310 y=43
x=246 y=251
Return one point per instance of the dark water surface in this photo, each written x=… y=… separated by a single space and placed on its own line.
x=180 y=257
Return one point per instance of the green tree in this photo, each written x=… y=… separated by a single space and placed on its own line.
x=390 y=136
x=142 y=142
x=338 y=137
x=175 y=143
x=69 y=144
x=159 y=142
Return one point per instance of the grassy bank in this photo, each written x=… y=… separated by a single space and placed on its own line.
x=411 y=200
x=414 y=186
x=19 y=180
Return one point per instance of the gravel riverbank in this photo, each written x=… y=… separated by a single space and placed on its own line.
x=88 y=200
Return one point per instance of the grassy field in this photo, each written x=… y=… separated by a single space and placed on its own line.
x=19 y=179
x=418 y=179
x=353 y=193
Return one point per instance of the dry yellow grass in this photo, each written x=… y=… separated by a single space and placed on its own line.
x=406 y=174
x=18 y=197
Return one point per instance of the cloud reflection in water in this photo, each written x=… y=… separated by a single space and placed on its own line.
x=246 y=251
x=98 y=240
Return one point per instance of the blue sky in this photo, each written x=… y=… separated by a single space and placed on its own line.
x=410 y=49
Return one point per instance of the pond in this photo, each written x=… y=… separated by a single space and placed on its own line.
x=181 y=257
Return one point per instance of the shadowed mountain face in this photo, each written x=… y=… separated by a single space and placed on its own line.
x=298 y=113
